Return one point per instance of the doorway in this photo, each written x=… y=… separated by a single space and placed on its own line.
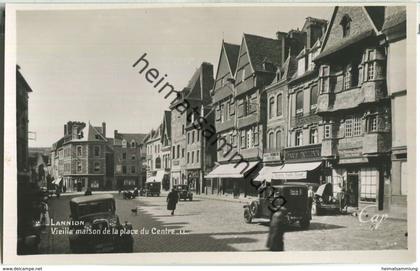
x=352 y=188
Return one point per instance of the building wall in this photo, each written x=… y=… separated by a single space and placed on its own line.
x=178 y=123
x=397 y=89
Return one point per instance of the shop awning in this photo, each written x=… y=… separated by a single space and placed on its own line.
x=158 y=178
x=231 y=170
x=266 y=173
x=295 y=171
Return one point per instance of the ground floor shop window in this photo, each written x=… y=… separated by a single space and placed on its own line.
x=94 y=184
x=368 y=184
x=128 y=182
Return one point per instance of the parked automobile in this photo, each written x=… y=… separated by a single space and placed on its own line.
x=324 y=200
x=292 y=196
x=131 y=195
x=96 y=213
x=184 y=192
x=151 y=189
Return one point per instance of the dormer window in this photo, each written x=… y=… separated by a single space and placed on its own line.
x=133 y=144
x=124 y=143
x=345 y=24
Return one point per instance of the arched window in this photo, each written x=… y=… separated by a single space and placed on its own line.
x=299 y=103
x=271 y=140
x=157 y=163
x=133 y=144
x=124 y=143
x=271 y=108
x=280 y=104
x=345 y=24
x=278 y=140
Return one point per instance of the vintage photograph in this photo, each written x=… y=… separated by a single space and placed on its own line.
x=212 y=129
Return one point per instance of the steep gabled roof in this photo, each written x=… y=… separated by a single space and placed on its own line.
x=289 y=67
x=262 y=49
x=232 y=53
x=395 y=22
x=371 y=16
x=22 y=80
x=138 y=137
x=167 y=124
x=94 y=134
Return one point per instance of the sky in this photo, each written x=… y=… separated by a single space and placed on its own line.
x=79 y=62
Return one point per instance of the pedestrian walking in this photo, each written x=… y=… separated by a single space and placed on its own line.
x=277 y=228
x=172 y=200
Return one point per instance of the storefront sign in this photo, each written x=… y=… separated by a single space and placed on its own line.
x=271 y=157
x=289 y=175
x=305 y=153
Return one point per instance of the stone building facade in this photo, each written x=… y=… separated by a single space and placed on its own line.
x=354 y=104
x=192 y=104
x=200 y=153
x=128 y=159
x=394 y=28
x=79 y=160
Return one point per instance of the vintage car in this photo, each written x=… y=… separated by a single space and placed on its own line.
x=294 y=197
x=324 y=201
x=151 y=189
x=184 y=192
x=131 y=195
x=95 y=226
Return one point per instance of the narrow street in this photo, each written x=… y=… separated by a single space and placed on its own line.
x=215 y=225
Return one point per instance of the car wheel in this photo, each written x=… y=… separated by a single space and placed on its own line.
x=247 y=216
x=304 y=223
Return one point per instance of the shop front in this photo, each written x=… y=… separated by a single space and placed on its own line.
x=194 y=180
x=233 y=179
x=363 y=181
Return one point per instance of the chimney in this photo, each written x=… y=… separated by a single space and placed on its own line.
x=104 y=129
x=65 y=129
x=281 y=36
x=115 y=133
x=74 y=132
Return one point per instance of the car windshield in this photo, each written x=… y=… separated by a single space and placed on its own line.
x=104 y=206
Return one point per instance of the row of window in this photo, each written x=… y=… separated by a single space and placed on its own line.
x=151 y=148
x=96 y=166
x=191 y=155
x=96 y=151
x=132 y=143
x=274 y=140
x=367 y=65
x=313 y=101
x=225 y=111
x=124 y=156
x=177 y=152
x=313 y=136
x=353 y=126
x=191 y=137
x=249 y=137
x=273 y=104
